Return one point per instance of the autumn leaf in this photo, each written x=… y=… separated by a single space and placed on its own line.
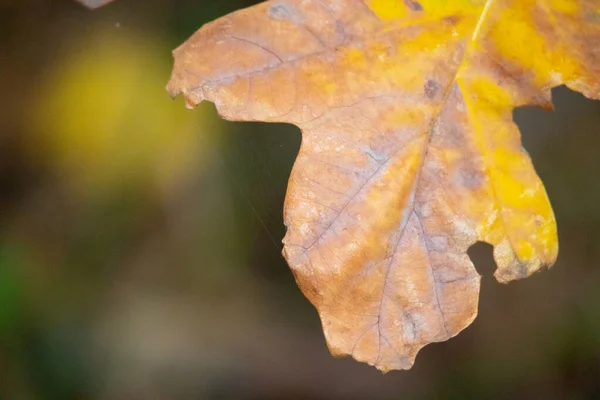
x=409 y=151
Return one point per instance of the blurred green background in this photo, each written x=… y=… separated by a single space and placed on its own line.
x=140 y=241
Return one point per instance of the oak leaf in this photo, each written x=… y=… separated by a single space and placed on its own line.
x=409 y=152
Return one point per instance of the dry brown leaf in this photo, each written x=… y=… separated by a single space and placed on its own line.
x=409 y=152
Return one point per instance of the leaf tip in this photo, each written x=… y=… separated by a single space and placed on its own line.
x=175 y=87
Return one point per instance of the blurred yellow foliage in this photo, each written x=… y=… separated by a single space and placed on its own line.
x=104 y=120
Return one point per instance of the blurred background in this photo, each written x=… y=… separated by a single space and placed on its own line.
x=140 y=241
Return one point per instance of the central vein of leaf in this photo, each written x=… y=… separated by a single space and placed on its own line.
x=409 y=209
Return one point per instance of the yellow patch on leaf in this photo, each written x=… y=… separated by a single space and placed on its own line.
x=409 y=152
x=388 y=9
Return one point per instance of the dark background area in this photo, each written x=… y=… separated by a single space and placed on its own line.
x=140 y=241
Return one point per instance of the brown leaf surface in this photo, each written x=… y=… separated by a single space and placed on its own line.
x=409 y=153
